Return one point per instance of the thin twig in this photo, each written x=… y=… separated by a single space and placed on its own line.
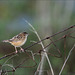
x=20 y=65
x=39 y=51
x=31 y=53
x=8 y=59
x=42 y=61
x=50 y=36
x=13 y=53
x=56 y=47
x=66 y=59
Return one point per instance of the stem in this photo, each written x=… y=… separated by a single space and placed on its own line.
x=43 y=57
x=66 y=59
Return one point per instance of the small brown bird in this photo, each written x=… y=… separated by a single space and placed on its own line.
x=18 y=40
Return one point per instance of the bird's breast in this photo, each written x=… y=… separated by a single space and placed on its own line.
x=18 y=43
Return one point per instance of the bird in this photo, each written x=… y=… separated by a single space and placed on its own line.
x=18 y=40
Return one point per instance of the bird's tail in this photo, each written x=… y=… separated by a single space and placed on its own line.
x=5 y=41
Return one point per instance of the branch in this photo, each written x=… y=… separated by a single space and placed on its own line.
x=13 y=53
x=19 y=65
x=66 y=59
x=43 y=49
x=50 y=36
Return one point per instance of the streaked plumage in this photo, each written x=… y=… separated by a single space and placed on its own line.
x=18 y=40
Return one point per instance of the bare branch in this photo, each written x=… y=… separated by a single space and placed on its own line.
x=41 y=66
x=13 y=53
x=43 y=51
x=66 y=59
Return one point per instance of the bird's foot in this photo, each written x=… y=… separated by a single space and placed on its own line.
x=16 y=51
x=22 y=49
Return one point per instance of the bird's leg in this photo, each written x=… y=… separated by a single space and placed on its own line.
x=21 y=49
x=16 y=50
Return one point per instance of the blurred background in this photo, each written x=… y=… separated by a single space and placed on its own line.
x=47 y=17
